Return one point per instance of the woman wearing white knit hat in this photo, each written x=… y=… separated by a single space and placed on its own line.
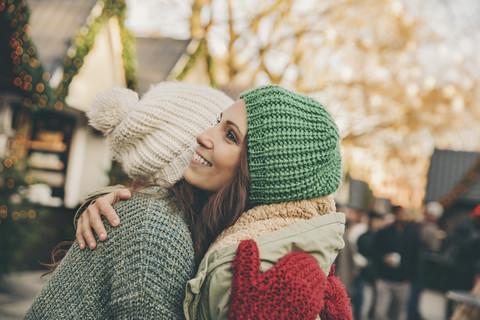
x=141 y=271
x=153 y=138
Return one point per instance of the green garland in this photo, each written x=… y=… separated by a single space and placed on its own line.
x=462 y=187
x=200 y=51
x=30 y=77
x=84 y=41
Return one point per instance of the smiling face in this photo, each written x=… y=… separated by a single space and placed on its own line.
x=217 y=156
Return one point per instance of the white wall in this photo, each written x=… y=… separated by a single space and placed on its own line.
x=102 y=68
x=89 y=161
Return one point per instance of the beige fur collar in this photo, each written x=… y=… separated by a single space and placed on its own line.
x=268 y=218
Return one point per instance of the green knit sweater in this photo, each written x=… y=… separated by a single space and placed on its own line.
x=139 y=272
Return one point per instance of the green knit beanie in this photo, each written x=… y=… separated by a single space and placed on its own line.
x=293 y=147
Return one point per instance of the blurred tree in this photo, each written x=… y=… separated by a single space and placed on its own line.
x=19 y=219
x=395 y=86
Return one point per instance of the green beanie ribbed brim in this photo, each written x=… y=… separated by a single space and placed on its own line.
x=293 y=147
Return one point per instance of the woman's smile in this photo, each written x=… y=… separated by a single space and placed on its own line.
x=199 y=160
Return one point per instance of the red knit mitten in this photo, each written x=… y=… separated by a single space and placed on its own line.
x=337 y=303
x=292 y=289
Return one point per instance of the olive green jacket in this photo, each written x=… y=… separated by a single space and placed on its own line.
x=207 y=295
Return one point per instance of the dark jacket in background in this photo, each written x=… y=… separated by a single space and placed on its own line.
x=406 y=242
x=366 y=247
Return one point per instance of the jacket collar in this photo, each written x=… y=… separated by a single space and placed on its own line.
x=268 y=218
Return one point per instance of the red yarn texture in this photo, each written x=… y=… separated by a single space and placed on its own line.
x=337 y=303
x=292 y=289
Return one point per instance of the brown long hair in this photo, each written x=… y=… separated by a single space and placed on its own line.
x=208 y=214
x=57 y=255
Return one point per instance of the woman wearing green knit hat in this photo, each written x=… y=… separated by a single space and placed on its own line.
x=283 y=150
x=294 y=166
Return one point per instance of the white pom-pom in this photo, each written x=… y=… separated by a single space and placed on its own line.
x=110 y=107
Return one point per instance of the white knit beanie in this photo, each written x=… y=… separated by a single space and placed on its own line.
x=154 y=138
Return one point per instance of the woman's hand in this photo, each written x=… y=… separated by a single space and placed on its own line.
x=91 y=218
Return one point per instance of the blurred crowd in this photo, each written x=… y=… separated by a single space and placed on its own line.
x=394 y=257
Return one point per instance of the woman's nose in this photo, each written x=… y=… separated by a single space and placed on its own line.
x=205 y=139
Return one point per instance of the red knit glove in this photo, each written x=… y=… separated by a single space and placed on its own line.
x=337 y=303
x=292 y=289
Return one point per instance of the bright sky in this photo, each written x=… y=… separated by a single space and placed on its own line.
x=166 y=16
x=457 y=21
x=163 y=17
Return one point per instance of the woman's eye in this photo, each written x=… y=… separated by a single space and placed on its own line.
x=231 y=136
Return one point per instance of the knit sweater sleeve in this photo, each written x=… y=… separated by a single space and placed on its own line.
x=152 y=270
x=139 y=272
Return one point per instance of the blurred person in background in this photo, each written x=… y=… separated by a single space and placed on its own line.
x=469 y=311
x=461 y=254
x=366 y=245
x=395 y=250
x=349 y=261
x=357 y=227
x=431 y=237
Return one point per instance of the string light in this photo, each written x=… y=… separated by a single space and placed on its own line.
x=8 y=163
x=10 y=183
x=32 y=214
x=15 y=215
x=29 y=179
x=3 y=212
x=29 y=74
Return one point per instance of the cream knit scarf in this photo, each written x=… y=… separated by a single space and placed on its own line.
x=269 y=218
